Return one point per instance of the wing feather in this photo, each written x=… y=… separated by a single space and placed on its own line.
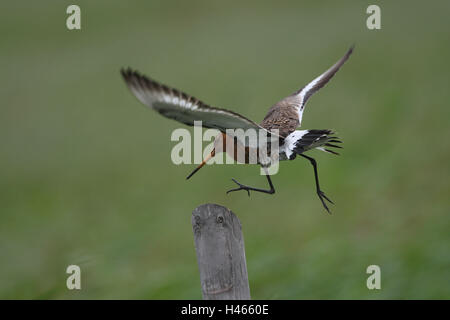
x=179 y=106
x=307 y=91
x=295 y=103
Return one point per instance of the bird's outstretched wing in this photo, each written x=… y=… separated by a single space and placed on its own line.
x=177 y=105
x=295 y=103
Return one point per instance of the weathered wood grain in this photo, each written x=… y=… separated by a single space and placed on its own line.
x=220 y=253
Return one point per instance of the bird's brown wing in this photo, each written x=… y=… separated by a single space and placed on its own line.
x=282 y=113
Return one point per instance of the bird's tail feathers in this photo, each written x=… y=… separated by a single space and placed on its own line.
x=303 y=140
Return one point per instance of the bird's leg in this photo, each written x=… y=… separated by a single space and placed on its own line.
x=243 y=187
x=320 y=193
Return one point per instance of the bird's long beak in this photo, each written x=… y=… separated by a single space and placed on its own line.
x=212 y=154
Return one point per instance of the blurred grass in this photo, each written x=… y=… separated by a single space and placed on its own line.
x=86 y=173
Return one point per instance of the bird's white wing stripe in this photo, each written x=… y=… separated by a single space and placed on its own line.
x=182 y=102
x=307 y=91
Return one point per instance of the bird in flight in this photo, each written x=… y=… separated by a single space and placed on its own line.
x=284 y=118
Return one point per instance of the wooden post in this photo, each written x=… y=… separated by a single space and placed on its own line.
x=220 y=253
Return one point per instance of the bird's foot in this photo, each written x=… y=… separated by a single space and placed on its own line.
x=322 y=196
x=241 y=187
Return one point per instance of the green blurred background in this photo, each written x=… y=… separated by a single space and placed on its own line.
x=86 y=176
